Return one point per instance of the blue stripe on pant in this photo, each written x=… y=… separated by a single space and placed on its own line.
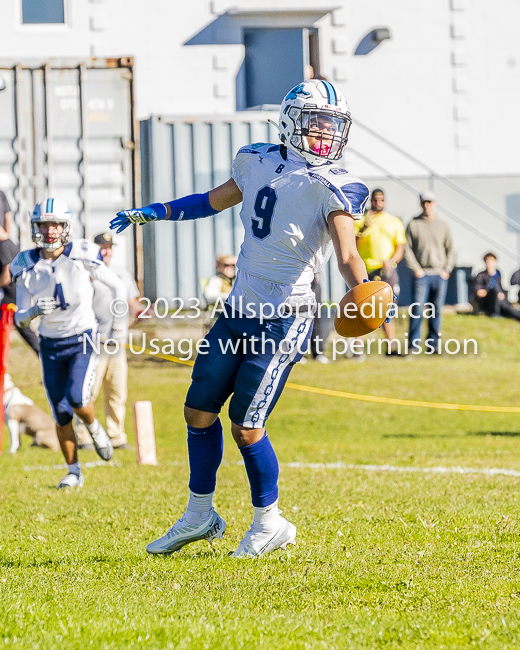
x=68 y=372
x=234 y=365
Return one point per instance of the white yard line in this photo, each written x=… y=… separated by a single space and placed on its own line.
x=93 y=463
x=486 y=471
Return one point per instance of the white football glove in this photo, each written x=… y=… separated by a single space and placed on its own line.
x=42 y=307
x=46 y=305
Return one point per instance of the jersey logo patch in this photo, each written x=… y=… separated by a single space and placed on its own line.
x=25 y=259
x=293 y=94
x=22 y=260
x=338 y=171
x=84 y=245
x=353 y=196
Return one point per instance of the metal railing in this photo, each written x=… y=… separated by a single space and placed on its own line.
x=455 y=186
x=442 y=208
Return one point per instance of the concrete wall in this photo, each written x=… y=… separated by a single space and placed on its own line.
x=498 y=191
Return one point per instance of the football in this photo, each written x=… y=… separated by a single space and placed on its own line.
x=363 y=309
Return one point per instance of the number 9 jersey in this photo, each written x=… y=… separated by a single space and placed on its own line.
x=285 y=207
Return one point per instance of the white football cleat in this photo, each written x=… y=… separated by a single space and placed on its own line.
x=102 y=443
x=71 y=481
x=321 y=358
x=257 y=542
x=182 y=533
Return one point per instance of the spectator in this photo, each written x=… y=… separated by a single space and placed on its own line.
x=491 y=297
x=220 y=285
x=515 y=279
x=380 y=241
x=429 y=255
x=112 y=370
x=8 y=251
x=6 y=216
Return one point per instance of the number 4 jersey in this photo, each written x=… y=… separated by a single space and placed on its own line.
x=285 y=207
x=68 y=279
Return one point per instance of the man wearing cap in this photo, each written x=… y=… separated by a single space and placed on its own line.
x=380 y=239
x=112 y=370
x=429 y=255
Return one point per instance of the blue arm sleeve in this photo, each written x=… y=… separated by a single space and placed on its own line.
x=194 y=206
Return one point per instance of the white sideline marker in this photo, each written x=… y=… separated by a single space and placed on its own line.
x=144 y=433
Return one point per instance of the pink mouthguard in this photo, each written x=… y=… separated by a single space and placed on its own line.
x=322 y=148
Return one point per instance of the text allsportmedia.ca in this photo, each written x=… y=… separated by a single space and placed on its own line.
x=178 y=309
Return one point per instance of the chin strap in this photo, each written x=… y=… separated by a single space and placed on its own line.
x=276 y=126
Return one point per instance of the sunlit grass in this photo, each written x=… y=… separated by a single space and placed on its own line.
x=394 y=560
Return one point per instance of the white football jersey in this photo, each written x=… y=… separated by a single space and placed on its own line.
x=103 y=297
x=285 y=207
x=69 y=280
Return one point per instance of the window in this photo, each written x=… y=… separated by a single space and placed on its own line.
x=43 y=11
x=276 y=60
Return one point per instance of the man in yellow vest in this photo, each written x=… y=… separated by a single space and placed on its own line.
x=380 y=240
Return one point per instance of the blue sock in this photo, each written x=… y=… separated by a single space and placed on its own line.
x=262 y=471
x=205 y=451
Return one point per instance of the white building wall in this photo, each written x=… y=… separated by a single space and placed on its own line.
x=445 y=87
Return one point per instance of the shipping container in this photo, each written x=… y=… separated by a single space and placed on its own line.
x=67 y=130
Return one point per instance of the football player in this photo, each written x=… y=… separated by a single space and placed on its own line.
x=297 y=205
x=54 y=281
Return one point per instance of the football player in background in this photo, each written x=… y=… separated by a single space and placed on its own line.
x=297 y=205
x=57 y=276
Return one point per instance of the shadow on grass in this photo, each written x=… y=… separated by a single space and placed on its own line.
x=450 y=435
x=417 y=435
x=10 y=564
x=51 y=563
x=511 y=434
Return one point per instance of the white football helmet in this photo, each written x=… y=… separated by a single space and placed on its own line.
x=51 y=210
x=317 y=109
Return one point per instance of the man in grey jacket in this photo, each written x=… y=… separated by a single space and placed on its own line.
x=429 y=255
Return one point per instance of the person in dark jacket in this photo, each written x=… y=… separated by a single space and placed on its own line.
x=8 y=251
x=491 y=296
x=515 y=279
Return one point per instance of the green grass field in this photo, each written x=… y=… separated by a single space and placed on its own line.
x=384 y=559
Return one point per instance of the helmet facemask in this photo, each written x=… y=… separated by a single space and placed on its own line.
x=328 y=128
x=315 y=121
x=61 y=239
